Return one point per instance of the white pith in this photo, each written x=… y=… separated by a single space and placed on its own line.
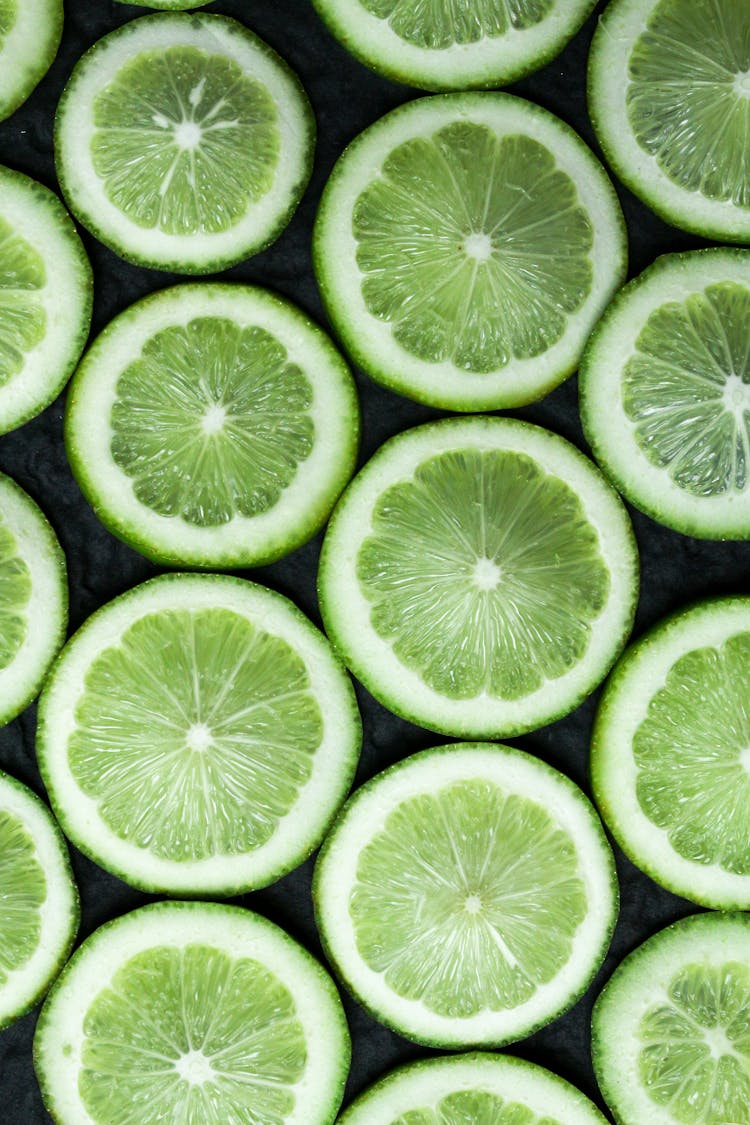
x=239 y=934
x=333 y=762
x=75 y=125
x=521 y=380
x=58 y=914
x=613 y=769
x=346 y=610
x=38 y=217
x=365 y=817
x=27 y=50
x=673 y=278
x=318 y=478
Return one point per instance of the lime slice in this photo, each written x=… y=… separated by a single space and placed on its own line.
x=168 y=5
x=670 y=1030
x=670 y=755
x=665 y=392
x=669 y=98
x=197 y=735
x=465 y=246
x=46 y=294
x=212 y=425
x=38 y=900
x=479 y=576
x=466 y=895
x=30 y=33
x=192 y=1012
x=184 y=142
x=453 y=46
x=33 y=599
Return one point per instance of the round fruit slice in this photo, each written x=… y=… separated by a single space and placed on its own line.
x=33 y=599
x=193 y=1012
x=665 y=392
x=198 y=735
x=453 y=46
x=465 y=246
x=168 y=5
x=475 y=1089
x=670 y=1029
x=479 y=576
x=670 y=754
x=184 y=142
x=466 y=895
x=669 y=98
x=39 y=911
x=30 y=33
x=46 y=294
x=212 y=425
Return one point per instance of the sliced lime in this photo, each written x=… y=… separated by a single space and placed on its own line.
x=479 y=576
x=188 y=1012
x=670 y=1030
x=184 y=142
x=466 y=895
x=198 y=735
x=665 y=392
x=465 y=246
x=474 y=1089
x=212 y=425
x=38 y=900
x=168 y=5
x=450 y=46
x=669 y=97
x=30 y=33
x=46 y=294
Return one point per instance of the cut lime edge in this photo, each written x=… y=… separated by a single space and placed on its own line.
x=213 y=559
x=456 y=1042
x=653 y=636
x=168 y=5
x=51 y=23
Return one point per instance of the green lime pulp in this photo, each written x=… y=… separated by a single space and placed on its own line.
x=191 y=1035
x=484 y=574
x=8 y=12
x=686 y=390
x=22 y=316
x=473 y=1107
x=212 y=421
x=473 y=247
x=447 y=22
x=184 y=140
x=695 y=1054
x=195 y=734
x=468 y=899
x=15 y=592
x=692 y=753
x=688 y=98
x=23 y=889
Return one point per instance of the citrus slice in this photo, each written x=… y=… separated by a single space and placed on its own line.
x=670 y=1029
x=46 y=294
x=670 y=754
x=33 y=599
x=669 y=98
x=452 y=45
x=195 y=1012
x=212 y=425
x=466 y=895
x=665 y=392
x=479 y=576
x=197 y=735
x=465 y=246
x=472 y=1089
x=39 y=911
x=183 y=142
x=30 y=33
x=168 y=5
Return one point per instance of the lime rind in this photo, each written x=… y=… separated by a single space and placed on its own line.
x=484 y=63
x=243 y=540
x=27 y=50
x=624 y=705
x=336 y=872
x=672 y=278
x=198 y=252
x=168 y=5
x=59 y=913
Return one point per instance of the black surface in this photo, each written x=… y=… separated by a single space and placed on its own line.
x=346 y=97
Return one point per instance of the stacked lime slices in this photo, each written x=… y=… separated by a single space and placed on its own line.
x=183 y=142
x=30 y=32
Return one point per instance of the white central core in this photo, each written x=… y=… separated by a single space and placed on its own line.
x=199 y=737
x=737 y=395
x=742 y=83
x=213 y=420
x=718 y=1044
x=486 y=574
x=745 y=758
x=195 y=1068
x=478 y=246
x=188 y=134
x=473 y=904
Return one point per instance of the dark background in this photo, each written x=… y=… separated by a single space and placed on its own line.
x=346 y=97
